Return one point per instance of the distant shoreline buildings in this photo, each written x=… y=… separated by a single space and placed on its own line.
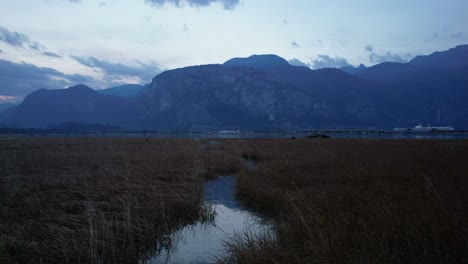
x=420 y=128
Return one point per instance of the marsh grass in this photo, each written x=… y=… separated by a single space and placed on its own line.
x=329 y=201
x=99 y=200
x=356 y=201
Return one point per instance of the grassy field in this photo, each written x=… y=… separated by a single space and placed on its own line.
x=356 y=201
x=99 y=200
x=330 y=201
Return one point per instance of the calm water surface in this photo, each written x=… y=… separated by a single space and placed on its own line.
x=203 y=242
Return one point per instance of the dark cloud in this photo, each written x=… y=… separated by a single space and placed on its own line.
x=74 y=1
x=186 y=28
x=388 y=57
x=16 y=39
x=51 y=54
x=227 y=4
x=145 y=72
x=1 y=51
x=369 y=48
x=285 y=21
x=294 y=44
x=325 y=61
x=20 y=40
x=297 y=62
x=37 y=46
x=20 y=79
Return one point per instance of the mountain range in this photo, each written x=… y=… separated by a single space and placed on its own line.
x=265 y=92
x=126 y=90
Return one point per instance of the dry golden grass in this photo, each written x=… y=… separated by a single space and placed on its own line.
x=99 y=200
x=356 y=201
x=330 y=201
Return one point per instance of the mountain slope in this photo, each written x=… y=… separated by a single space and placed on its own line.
x=127 y=90
x=353 y=70
x=260 y=62
x=444 y=60
x=80 y=104
x=212 y=97
x=390 y=71
x=4 y=106
x=216 y=96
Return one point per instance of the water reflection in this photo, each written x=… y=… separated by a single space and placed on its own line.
x=202 y=242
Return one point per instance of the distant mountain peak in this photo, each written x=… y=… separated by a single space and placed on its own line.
x=388 y=71
x=257 y=61
x=449 y=59
x=464 y=46
x=353 y=70
x=80 y=88
x=126 y=90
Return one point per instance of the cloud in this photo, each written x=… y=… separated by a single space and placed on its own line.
x=297 y=62
x=20 y=79
x=294 y=44
x=227 y=4
x=388 y=57
x=369 y=48
x=142 y=71
x=74 y=1
x=285 y=21
x=51 y=54
x=325 y=61
x=1 y=51
x=6 y=98
x=20 y=40
x=17 y=39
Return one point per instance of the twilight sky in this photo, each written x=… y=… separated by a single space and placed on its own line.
x=58 y=43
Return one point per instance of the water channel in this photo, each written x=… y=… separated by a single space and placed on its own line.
x=203 y=242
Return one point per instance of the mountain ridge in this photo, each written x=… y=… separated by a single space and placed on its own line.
x=265 y=92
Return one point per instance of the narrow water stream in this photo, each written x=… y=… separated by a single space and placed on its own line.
x=203 y=242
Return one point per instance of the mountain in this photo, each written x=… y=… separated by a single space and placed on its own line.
x=260 y=92
x=265 y=92
x=428 y=89
x=127 y=90
x=4 y=106
x=323 y=82
x=390 y=71
x=79 y=104
x=4 y=114
x=210 y=97
x=435 y=97
x=445 y=60
x=343 y=95
x=353 y=70
x=261 y=62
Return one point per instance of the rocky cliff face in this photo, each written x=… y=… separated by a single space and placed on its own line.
x=214 y=96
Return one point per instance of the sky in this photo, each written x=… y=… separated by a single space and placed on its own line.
x=103 y=43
